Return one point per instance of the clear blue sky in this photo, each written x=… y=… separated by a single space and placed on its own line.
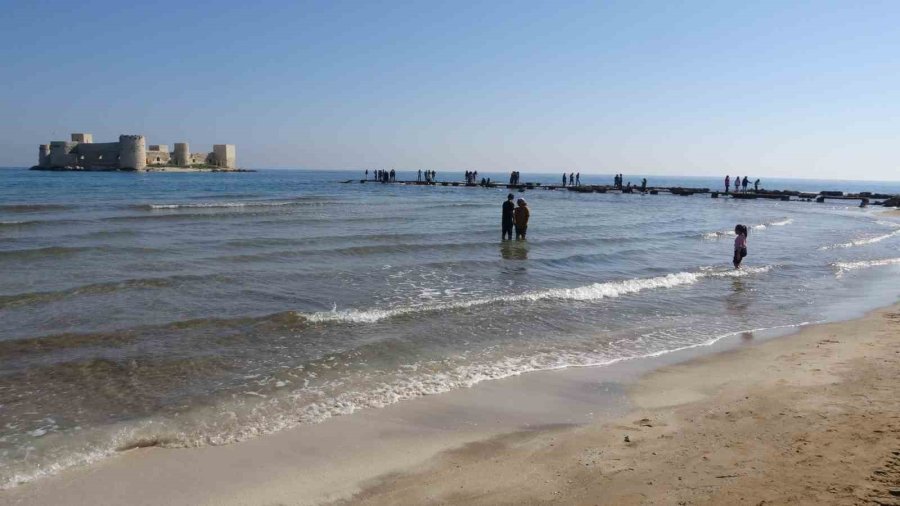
x=794 y=89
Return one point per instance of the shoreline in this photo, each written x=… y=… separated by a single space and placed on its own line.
x=812 y=418
x=363 y=457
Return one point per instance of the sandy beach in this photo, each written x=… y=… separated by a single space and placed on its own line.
x=813 y=418
x=810 y=418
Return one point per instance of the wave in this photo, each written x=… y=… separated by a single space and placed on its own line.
x=759 y=226
x=20 y=299
x=229 y=205
x=592 y=292
x=843 y=267
x=32 y=208
x=886 y=223
x=53 y=251
x=273 y=414
x=862 y=242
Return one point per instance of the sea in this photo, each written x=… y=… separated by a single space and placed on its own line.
x=183 y=310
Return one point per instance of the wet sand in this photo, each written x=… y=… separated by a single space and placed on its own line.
x=810 y=418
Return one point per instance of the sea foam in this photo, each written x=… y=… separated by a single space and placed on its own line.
x=843 y=267
x=862 y=242
x=592 y=292
x=759 y=226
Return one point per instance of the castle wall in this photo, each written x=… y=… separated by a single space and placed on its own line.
x=197 y=158
x=158 y=157
x=44 y=156
x=61 y=154
x=104 y=155
x=224 y=156
x=132 y=152
x=83 y=138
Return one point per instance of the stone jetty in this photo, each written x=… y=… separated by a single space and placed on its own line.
x=863 y=198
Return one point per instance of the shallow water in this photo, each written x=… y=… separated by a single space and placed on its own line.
x=192 y=309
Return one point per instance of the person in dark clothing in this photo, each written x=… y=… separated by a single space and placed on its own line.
x=756 y=185
x=571 y=179
x=564 y=179
x=746 y=182
x=578 y=178
x=506 y=222
x=740 y=245
x=643 y=185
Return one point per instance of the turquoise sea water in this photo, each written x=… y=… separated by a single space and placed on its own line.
x=193 y=309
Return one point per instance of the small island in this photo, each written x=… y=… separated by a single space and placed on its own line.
x=131 y=153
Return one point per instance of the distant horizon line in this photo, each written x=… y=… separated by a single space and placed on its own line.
x=305 y=169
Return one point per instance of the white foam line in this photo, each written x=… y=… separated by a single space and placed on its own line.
x=594 y=291
x=350 y=402
x=221 y=204
x=761 y=226
x=843 y=267
x=885 y=223
x=862 y=242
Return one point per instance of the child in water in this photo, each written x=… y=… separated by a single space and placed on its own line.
x=740 y=245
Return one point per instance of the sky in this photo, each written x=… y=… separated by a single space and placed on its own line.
x=770 y=89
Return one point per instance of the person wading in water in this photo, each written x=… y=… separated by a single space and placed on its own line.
x=520 y=218
x=740 y=245
x=506 y=223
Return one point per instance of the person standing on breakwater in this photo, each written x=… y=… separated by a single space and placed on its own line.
x=727 y=182
x=571 y=179
x=506 y=221
x=578 y=178
x=520 y=218
x=564 y=179
x=756 y=185
x=737 y=184
x=419 y=176
x=740 y=245
x=746 y=181
x=643 y=185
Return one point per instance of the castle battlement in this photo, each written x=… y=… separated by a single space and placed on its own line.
x=130 y=153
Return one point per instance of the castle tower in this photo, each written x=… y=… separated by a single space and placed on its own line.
x=83 y=138
x=224 y=156
x=44 y=156
x=182 y=154
x=132 y=152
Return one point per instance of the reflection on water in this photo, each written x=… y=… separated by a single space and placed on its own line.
x=514 y=250
x=739 y=299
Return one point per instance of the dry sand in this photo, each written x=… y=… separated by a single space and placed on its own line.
x=813 y=418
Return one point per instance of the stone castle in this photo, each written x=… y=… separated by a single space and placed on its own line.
x=130 y=153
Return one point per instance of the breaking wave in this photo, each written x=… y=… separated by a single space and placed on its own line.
x=230 y=205
x=862 y=242
x=592 y=292
x=274 y=414
x=759 y=226
x=843 y=267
